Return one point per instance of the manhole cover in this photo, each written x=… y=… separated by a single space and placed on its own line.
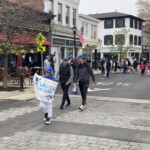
x=141 y=122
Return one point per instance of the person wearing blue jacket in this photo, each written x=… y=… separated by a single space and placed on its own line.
x=47 y=107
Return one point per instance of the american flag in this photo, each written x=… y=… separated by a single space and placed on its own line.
x=80 y=34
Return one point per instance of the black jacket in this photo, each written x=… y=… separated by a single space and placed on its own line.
x=83 y=73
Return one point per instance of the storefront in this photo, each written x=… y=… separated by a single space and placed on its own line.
x=63 y=46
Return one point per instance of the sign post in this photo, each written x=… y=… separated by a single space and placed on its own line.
x=40 y=39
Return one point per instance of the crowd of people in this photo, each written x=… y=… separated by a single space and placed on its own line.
x=130 y=65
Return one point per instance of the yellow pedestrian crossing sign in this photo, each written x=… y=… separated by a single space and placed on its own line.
x=40 y=39
x=41 y=48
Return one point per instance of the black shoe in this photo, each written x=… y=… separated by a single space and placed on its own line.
x=45 y=116
x=61 y=107
x=68 y=105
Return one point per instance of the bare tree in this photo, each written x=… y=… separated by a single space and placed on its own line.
x=121 y=47
x=16 y=18
x=144 y=9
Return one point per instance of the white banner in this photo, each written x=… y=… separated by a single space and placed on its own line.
x=44 y=89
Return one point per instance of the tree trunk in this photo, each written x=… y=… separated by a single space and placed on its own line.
x=5 y=75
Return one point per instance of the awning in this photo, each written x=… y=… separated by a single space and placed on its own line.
x=24 y=39
x=27 y=39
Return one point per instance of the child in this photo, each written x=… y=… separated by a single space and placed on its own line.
x=47 y=107
x=148 y=67
x=142 y=67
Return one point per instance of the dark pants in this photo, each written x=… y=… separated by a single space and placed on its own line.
x=108 y=72
x=65 y=97
x=83 y=85
x=142 y=72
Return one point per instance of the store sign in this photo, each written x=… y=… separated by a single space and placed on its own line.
x=91 y=46
x=58 y=41
x=65 y=42
x=132 y=50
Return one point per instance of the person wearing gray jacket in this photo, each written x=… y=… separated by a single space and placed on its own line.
x=82 y=74
x=66 y=76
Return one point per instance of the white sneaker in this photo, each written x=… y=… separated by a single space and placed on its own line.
x=47 y=121
x=85 y=106
x=81 y=107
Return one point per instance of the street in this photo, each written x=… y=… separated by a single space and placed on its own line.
x=107 y=124
x=121 y=86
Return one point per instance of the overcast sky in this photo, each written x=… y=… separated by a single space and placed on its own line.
x=100 y=6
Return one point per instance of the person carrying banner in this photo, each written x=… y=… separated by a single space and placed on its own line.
x=47 y=107
x=66 y=76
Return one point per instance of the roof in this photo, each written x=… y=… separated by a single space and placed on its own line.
x=109 y=15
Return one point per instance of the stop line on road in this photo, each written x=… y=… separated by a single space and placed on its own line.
x=98 y=89
x=125 y=84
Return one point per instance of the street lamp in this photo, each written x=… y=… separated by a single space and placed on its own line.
x=74 y=33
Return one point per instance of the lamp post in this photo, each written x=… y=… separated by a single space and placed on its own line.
x=74 y=33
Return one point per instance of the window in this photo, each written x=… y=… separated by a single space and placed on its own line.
x=139 y=40
x=48 y=6
x=93 y=32
x=85 y=29
x=120 y=39
x=74 y=17
x=67 y=15
x=108 y=40
x=59 y=12
x=131 y=39
x=140 y=25
x=135 y=24
x=108 y=24
x=120 y=23
x=131 y=23
x=135 y=40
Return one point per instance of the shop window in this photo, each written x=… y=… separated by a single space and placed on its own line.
x=108 y=40
x=108 y=24
x=120 y=23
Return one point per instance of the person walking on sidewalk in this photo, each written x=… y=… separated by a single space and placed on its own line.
x=82 y=74
x=142 y=67
x=66 y=76
x=135 y=65
x=108 y=67
x=47 y=107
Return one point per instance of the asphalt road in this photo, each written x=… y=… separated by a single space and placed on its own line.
x=120 y=85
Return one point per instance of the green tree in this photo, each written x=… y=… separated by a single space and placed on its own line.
x=144 y=9
x=15 y=19
x=120 y=47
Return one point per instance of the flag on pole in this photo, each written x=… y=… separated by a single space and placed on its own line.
x=80 y=34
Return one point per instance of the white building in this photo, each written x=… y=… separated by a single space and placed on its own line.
x=90 y=33
x=62 y=38
x=115 y=21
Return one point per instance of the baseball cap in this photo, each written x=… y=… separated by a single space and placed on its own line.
x=80 y=57
x=65 y=58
